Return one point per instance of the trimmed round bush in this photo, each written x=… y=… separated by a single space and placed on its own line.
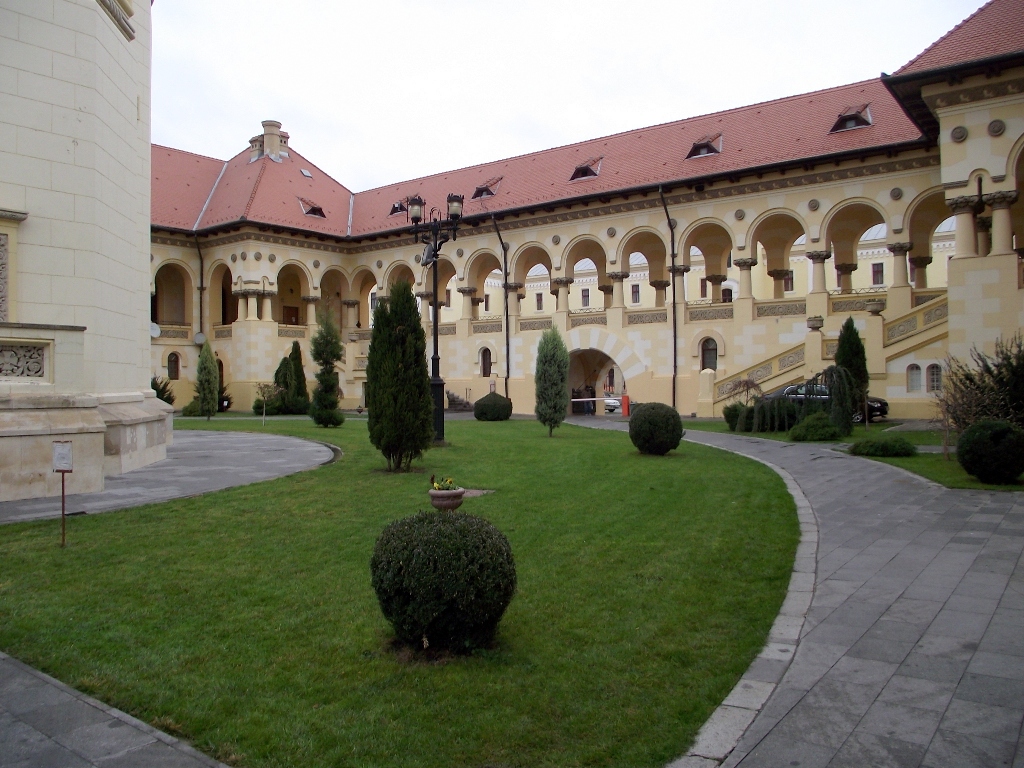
x=443 y=579
x=655 y=429
x=992 y=451
x=817 y=426
x=884 y=446
x=492 y=407
x=731 y=414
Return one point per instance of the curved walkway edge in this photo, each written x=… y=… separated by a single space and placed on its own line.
x=912 y=651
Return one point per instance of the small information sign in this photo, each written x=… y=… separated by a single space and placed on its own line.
x=62 y=461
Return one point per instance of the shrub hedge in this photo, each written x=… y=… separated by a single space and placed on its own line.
x=992 y=451
x=492 y=407
x=655 y=428
x=443 y=579
x=884 y=446
x=817 y=426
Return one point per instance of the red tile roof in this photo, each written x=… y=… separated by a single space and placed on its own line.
x=995 y=29
x=782 y=131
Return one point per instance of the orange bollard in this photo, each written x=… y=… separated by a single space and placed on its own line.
x=625 y=404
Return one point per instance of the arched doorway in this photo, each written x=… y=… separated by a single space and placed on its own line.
x=594 y=382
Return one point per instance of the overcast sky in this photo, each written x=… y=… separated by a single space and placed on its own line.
x=379 y=92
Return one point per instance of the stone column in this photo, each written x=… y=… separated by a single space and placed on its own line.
x=984 y=226
x=899 y=263
x=966 y=240
x=818 y=258
x=563 y=283
x=920 y=270
x=779 y=276
x=351 y=313
x=512 y=297
x=311 y=309
x=425 y=297
x=242 y=304
x=660 y=286
x=745 y=265
x=467 y=302
x=251 y=308
x=678 y=273
x=716 y=287
x=606 y=293
x=266 y=308
x=1002 y=226
x=617 y=299
x=845 y=272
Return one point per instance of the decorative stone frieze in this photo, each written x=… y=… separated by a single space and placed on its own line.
x=790 y=360
x=902 y=328
x=291 y=333
x=963 y=204
x=487 y=327
x=446 y=330
x=710 y=313
x=781 y=309
x=933 y=315
x=644 y=318
x=222 y=333
x=829 y=349
x=174 y=333
x=363 y=335
x=535 y=325
x=590 y=319
x=854 y=305
x=361 y=363
x=4 y=280
x=21 y=361
x=924 y=298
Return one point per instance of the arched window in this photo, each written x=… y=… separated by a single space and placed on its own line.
x=726 y=295
x=913 y=378
x=709 y=355
x=485 y=362
x=934 y=377
x=220 y=372
x=173 y=366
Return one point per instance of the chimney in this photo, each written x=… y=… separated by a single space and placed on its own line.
x=272 y=139
x=255 y=148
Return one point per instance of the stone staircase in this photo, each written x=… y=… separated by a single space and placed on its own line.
x=456 y=403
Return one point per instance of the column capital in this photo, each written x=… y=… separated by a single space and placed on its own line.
x=310 y=299
x=716 y=279
x=605 y=288
x=476 y=301
x=900 y=249
x=660 y=284
x=352 y=302
x=466 y=291
x=512 y=287
x=983 y=223
x=846 y=268
x=419 y=295
x=963 y=204
x=618 y=276
x=679 y=269
x=745 y=263
x=563 y=281
x=818 y=257
x=999 y=199
x=920 y=262
x=780 y=274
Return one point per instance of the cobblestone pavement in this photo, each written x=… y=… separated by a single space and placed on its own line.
x=46 y=724
x=912 y=651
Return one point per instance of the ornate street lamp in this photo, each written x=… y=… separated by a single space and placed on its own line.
x=434 y=233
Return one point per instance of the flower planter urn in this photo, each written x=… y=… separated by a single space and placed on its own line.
x=446 y=499
x=874 y=306
x=815 y=323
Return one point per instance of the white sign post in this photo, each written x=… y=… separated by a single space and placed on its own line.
x=63 y=463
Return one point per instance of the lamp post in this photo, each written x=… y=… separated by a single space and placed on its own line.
x=434 y=233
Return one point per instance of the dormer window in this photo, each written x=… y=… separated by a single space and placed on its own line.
x=587 y=170
x=852 y=117
x=706 y=145
x=398 y=207
x=487 y=189
x=311 y=209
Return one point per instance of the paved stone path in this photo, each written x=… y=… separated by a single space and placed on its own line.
x=46 y=724
x=912 y=651
x=197 y=462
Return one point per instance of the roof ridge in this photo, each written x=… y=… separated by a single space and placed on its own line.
x=944 y=37
x=654 y=126
x=186 y=152
x=209 y=197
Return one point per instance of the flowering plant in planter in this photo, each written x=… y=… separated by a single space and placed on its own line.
x=444 y=484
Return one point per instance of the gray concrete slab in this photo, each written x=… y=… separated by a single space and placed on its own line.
x=912 y=651
x=197 y=462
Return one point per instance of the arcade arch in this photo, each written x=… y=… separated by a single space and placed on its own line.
x=775 y=233
x=172 y=296
x=844 y=227
x=292 y=285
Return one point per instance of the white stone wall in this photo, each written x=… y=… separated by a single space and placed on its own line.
x=74 y=155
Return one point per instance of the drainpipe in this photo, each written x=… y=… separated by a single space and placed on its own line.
x=675 y=304
x=504 y=287
x=202 y=284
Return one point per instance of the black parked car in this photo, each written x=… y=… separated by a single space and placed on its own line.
x=798 y=393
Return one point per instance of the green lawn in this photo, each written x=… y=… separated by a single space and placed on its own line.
x=934 y=466
x=245 y=622
x=876 y=429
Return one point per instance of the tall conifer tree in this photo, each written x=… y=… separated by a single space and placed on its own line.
x=850 y=355
x=552 y=380
x=398 y=386
x=325 y=349
x=299 y=392
x=207 y=382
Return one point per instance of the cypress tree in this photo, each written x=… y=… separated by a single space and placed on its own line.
x=850 y=355
x=325 y=349
x=299 y=392
x=207 y=382
x=397 y=384
x=551 y=380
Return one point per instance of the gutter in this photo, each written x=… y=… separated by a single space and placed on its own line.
x=672 y=274
x=508 y=341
